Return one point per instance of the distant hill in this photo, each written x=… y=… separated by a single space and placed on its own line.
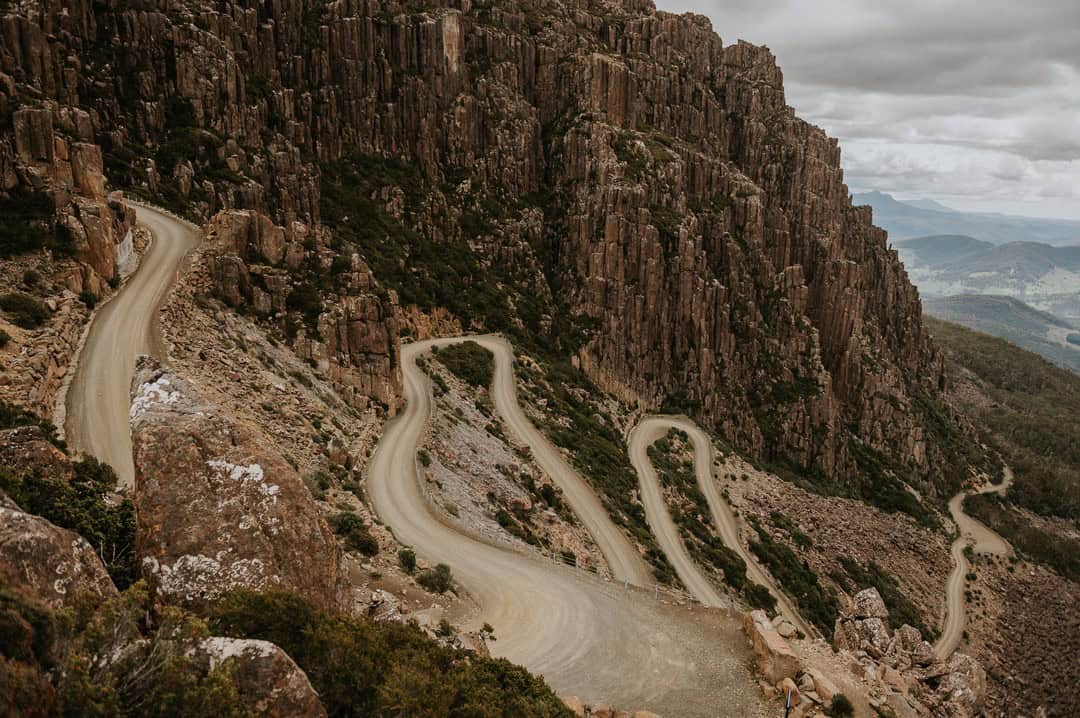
x=1046 y=277
x=920 y=218
x=1012 y=320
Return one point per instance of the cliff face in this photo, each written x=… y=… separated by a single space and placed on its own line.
x=596 y=176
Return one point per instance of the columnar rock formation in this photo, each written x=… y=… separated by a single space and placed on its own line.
x=629 y=188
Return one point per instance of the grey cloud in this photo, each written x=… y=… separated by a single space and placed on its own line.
x=964 y=98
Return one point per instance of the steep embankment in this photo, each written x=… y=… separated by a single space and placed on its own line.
x=641 y=438
x=99 y=399
x=585 y=636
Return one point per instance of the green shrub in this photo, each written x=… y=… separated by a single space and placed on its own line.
x=840 y=707
x=407 y=559
x=25 y=311
x=24 y=218
x=5 y=338
x=365 y=668
x=425 y=457
x=437 y=579
x=82 y=506
x=355 y=532
x=470 y=362
x=55 y=668
x=759 y=597
x=12 y=416
x=88 y=298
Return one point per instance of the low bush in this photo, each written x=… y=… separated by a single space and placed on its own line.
x=56 y=668
x=24 y=219
x=840 y=707
x=24 y=310
x=470 y=362
x=437 y=579
x=407 y=559
x=5 y=338
x=365 y=668
x=12 y=417
x=355 y=533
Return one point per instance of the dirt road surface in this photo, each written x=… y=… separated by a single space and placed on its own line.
x=624 y=560
x=656 y=511
x=975 y=534
x=652 y=428
x=586 y=636
x=99 y=400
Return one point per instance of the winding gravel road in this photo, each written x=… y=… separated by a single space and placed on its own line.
x=586 y=636
x=647 y=431
x=975 y=534
x=99 y=399
x=623 y=559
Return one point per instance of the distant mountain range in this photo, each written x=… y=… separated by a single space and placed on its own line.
x=1055 y=339
x=919 y=218
x=1046 y=277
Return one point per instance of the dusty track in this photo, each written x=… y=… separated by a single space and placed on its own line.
x=624 y=560
x=99 y=400
x=586 y=636
x=982 y=540
x=642 y=437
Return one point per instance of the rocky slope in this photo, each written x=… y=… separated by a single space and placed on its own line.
x=595 y=177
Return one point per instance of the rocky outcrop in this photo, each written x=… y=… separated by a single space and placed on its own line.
x=352 y=331
x=269 y=683
x=56 y=566
x=901 y=666
x=216 y=507
x=775 y=659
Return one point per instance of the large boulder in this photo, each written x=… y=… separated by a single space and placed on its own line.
x=270 y=684
x=775 y=659
x=869 y=604
x=53 y=564
x=217 y=506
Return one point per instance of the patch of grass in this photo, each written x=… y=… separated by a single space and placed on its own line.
x=365 y=668
x=468 y=361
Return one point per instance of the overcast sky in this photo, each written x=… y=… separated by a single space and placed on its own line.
x=973 y=103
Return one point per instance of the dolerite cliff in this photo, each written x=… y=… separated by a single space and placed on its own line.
x=597 y=177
